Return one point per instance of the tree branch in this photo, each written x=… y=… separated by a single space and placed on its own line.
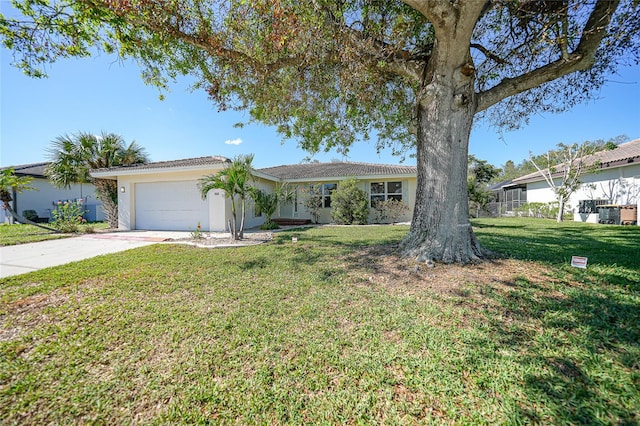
x=488 y=53
x=582 y=58
x=438 y=12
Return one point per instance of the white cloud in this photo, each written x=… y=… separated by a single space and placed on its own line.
x=237 y=141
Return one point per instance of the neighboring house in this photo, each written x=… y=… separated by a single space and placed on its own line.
x=43 y=198
x=165 y=195
x=617 y=181
x=507 y=197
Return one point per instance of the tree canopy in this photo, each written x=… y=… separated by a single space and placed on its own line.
x=73 y=157
x=332 y=72
x=411 y=74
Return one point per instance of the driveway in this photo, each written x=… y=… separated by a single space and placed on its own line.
x=23 y=258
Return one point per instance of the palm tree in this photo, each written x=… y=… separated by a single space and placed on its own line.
x=267 y=203
x=9 y=184
x=74 y=157
x=234 y=180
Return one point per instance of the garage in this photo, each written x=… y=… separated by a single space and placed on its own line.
x=170 y=206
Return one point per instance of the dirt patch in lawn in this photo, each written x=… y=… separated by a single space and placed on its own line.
x=26 y=313
x=382 y=265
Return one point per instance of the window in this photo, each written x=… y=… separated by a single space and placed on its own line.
x=382 y=191
x=256 y=212
x=327 y=190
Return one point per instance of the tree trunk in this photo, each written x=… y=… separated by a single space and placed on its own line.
x=241 y=233
x=561 y=203
x=108 y=193
x=440 y=229
x=233 y=221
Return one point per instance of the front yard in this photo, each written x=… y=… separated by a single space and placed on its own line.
x=332 y=329
x=20 y=234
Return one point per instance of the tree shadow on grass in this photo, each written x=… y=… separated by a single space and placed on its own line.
x=557 y=246
x=575 y=333
x=581 y=368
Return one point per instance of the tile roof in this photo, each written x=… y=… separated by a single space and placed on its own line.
x=33 y=169
x=336 y=169
x=628 y=152
x=186 y=162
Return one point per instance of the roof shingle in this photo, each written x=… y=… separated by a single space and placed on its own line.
x=186 y=162
x=33 y=169
x=337 y=169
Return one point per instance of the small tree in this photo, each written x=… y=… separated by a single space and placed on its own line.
x=350 y=204
x=267 y=203
x=312 y=201
x=234 y=181
x=562 y=168
x=479 y=174
x=74 y=157
x=390 y=210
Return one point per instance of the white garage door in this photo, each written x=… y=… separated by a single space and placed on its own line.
x=170 y=206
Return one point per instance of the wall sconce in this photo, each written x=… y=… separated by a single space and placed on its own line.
x=122 y=189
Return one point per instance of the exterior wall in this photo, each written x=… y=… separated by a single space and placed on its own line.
x=42 y=199
x=539 y=192
x=251 y=220
x=619 y=185
x=298 y=210
x=126 y=197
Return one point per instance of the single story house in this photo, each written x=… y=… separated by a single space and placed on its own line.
x=165 y=195
x=616 y=181
x=44 y=196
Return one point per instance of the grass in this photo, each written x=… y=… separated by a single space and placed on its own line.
x=21 y=234
x=331 y=329
x=613 y=251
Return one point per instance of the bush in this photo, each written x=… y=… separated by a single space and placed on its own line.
x=390 y=210
x=68 y=215
x=31 y=215
x=542 y=210
x=312 y=201
x=269 y=225
x=350 y=204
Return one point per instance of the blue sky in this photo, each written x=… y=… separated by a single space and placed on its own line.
x=101 y=94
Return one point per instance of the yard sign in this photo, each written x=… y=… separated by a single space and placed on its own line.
x=579 y=262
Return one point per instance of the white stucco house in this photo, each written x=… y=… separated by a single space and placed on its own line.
x=165 y=195
x=45 y=195
x=617 y=181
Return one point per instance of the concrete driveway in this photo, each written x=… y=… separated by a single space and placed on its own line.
x=23 y=258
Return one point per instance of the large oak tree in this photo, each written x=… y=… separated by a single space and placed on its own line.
x=412 y=74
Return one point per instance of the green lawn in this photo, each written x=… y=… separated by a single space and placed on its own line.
x=333 y=329
x=20 y=234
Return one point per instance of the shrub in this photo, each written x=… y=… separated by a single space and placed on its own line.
x=541 y=210
x=269 y=225
x=312 y=201
x=390 y=210
x=197 y=233
x=68 y=215
x=31 y=215
x=350 y=204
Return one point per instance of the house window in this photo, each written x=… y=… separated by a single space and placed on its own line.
x=382 y=191
x=256 y=212
x=327 y=190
